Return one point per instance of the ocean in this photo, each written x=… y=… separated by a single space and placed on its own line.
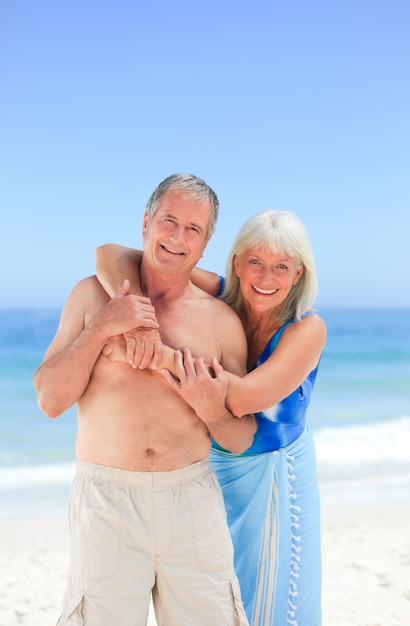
x=360 y=413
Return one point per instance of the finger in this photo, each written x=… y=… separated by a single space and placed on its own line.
x=147 y=323
x=130 y=344
x=139 y=351
x=201 y=368
x=124 y=289
x=107 y=349
x=188 y=362
x=179 y=364
x=144 y=319
x=217 y=368
x=157 y=356
x=146 y=355
x=172 y=382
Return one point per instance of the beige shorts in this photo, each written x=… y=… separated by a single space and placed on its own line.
x=134 y=534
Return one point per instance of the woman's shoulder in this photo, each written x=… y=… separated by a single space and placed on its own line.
x=310 y=325
x=312 y=318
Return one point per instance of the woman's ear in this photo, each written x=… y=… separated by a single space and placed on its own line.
x=298 y=275
x=236 y=266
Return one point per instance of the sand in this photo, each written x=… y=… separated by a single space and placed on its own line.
x=366 y=562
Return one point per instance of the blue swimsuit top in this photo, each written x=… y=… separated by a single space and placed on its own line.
x=283 y=423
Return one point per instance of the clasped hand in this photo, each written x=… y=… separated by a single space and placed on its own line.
x=202 y=387
x=141 y=346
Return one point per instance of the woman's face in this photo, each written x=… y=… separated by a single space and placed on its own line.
x=266 y=278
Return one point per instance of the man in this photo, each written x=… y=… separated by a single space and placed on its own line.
x=146 y=512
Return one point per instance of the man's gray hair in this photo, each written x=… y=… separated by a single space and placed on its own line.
x=191 y=186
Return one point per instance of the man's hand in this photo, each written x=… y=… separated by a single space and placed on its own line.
x=125 y=312
x=144 y=348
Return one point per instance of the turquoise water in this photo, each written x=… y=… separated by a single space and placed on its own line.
x=360 y=411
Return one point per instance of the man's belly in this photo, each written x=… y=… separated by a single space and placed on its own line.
x=134 y=421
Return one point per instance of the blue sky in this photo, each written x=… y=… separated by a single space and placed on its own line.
x=301 y=106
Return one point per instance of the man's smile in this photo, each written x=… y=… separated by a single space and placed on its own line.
x=171 y=250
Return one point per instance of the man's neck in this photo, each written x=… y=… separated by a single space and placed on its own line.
x=160 y=286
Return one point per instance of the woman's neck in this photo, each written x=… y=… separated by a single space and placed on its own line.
x=259 y=328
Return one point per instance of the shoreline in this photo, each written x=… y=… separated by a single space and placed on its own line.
x=366 y=566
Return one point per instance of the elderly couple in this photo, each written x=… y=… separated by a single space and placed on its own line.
x=196 y=479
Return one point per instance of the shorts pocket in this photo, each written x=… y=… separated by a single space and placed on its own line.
x=241 y=619
x=72 y=614
x=210 y=533
x=95 y=531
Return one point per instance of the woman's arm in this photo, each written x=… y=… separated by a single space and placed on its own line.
x=114 y=263
x=204 y=389
x=296 y=355
x=207 y=281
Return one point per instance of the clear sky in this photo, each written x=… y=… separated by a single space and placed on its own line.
x=296 y=105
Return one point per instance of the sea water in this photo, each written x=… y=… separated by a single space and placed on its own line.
x=360 y=413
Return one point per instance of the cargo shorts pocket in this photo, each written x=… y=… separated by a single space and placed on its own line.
x=72 y=614
x=241 y=619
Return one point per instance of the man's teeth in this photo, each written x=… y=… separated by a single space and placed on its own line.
x=171 y=250
x=266 y=292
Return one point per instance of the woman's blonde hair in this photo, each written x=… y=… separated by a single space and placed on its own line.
x=278 y=232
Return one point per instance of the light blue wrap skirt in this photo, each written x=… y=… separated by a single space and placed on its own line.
x=272 y=503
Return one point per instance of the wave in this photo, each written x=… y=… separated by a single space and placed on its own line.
x=350 y=452
x=355 y=464
x=29 y=476
x=377 y=450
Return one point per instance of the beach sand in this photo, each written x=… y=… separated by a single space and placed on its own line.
x=366 y=562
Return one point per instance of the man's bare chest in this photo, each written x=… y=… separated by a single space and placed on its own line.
x=191 y=328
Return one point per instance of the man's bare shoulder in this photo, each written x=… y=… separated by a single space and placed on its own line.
x=218 y=305
x=219 y=310
x=87 y=296
x=88 y=288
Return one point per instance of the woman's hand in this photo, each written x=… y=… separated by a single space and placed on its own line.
x=202 y=387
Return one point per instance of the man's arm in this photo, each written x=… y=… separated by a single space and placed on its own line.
x=88 y=319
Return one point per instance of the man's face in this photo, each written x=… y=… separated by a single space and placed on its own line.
x=176 y=236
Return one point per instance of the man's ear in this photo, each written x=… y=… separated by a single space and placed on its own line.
x=145 y=221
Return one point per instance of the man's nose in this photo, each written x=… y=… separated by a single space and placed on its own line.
x=178 y=233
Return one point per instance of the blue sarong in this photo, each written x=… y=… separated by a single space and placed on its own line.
x=272 y=503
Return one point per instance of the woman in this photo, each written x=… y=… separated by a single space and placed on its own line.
x=271 y=491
